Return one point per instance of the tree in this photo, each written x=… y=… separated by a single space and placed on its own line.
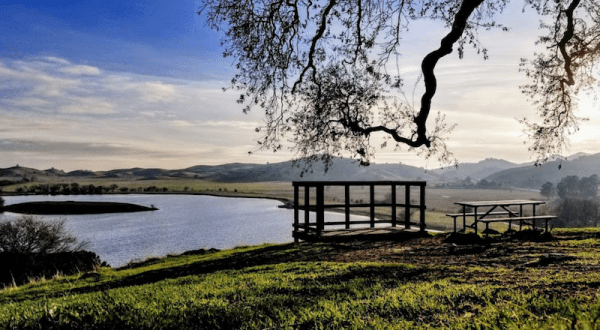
x=579 y=205
x=548 y=190
x=568 y=187
x=1 y=202
x=33 y=235
x=588 y=187
x=319 y=70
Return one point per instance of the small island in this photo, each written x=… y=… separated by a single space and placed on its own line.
x=71 y=207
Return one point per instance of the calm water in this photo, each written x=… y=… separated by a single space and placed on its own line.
x=182 y=223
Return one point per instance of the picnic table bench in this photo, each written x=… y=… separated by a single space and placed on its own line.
x=491 y=216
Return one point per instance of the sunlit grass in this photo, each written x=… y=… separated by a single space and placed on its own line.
x=211 y=291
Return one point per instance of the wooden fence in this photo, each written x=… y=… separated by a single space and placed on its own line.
x=302 y=229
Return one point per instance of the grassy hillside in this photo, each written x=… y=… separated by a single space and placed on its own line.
x=415 y=282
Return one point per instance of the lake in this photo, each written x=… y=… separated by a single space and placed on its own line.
x=182 y=223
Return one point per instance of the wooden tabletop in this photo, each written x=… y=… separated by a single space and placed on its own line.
x=500 y=203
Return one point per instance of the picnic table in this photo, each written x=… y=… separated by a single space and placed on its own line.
x=500 y=211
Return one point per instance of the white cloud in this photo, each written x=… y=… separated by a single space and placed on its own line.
x=88 y=105
x=57 y=60
x=156 y=91
x=81 y=70
x=214 y=124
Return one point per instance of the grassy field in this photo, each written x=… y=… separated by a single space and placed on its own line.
x=415 y=282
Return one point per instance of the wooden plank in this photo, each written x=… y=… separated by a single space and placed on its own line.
x=422 y=209
x=306 y=204
x=296 y=210
x=455 y=215
x=407 y=206
x=538 y=217
x=372 y=204
x=340 y=223
x=320 y=208
x=500 y=203
x=347 y=205
x=393 y=205
x=359 y=183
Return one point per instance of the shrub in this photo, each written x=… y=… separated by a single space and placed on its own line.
x=29 y=234
x=31 y=247
x=574 y=212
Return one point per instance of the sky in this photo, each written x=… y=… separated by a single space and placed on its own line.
x=100 y=85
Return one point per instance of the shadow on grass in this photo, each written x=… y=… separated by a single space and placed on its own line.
x=300 y=252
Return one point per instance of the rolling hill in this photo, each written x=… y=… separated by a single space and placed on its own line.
x=534 y=177
x=497 y=170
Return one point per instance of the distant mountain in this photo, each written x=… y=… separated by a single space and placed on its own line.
x=341 y=169
x=534 y=177
x=497 y=170
x=476 y=171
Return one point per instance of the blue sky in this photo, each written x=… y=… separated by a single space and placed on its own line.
x=112 y=84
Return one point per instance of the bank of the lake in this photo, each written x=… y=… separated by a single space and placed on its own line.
x=512 y=282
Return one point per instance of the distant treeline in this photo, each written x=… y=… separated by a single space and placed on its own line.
x=469 y=183
x=77 y=189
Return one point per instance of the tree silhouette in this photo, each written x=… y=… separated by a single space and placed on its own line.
x=548 y=190
x=318 y=69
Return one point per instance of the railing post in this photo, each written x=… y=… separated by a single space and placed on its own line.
x=422 y=209
x=347 y=202
x=407 y=206
x=320 y=208
x=306 y=207
x=372 y=197
x=296 y=213
x=393 y=205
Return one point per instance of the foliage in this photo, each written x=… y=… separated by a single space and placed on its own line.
x=579 y=205
x=548 y=190
x=34 y=235
x=20 y=268
x=31 y=247
x=573 y=187
x=577 y=212
x=320 y=69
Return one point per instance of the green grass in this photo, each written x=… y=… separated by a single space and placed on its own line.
x=418 y=283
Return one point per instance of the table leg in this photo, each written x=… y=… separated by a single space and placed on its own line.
x=475 y=212
x=464 y=212
x=534 y=217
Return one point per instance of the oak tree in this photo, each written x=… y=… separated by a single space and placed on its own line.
x=319 y=70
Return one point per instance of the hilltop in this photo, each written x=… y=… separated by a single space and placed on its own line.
x=503 y=172
x=521 y=281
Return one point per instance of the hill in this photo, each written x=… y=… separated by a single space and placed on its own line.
x=497 y=170
x=341 y=169
x=476 y=171
x=510 y=282
x=534 y=177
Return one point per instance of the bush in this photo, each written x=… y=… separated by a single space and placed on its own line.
x=29 y=234
x=31 y=247
x=573 y=212
x=19 y=268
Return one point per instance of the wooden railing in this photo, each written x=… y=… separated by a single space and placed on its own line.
x=319 y=206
